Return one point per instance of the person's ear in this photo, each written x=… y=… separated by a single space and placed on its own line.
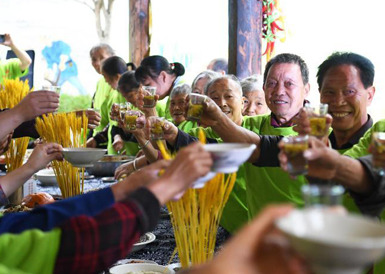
x=371 y=91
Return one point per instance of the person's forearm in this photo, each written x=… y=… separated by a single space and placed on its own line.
x=352 y=175
x=49 y=216
x=232 y=133
x=13 y=120
x=91 y=244
x=22 y=56
x=16 y=179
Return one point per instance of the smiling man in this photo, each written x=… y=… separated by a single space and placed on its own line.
x=345 y=82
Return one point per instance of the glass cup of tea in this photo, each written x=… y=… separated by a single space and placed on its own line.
x=378 y=143
x=115 y=111
x=56 y=89
x=149 y=93
x=130 y=119
x=294 y=147
x=328 y=195
x=317 y=118
x=156 y=124
x=195 y=106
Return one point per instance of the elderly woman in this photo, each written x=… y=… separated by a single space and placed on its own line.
x=254 y=96
x=200 y=81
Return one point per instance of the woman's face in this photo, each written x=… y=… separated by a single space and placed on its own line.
x=162 y=83
x=97 y=57
x=178 y=107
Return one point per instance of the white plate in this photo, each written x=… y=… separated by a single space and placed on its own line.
x=126 y=268
x=134 y=261
x=138 y=246
x=46 y=176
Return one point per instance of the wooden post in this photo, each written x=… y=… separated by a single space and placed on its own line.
x=245 y=37
x=139 y=40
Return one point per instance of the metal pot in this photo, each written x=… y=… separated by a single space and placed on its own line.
x=106 y=166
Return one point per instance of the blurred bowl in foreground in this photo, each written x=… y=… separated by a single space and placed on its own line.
x=229 y=156
x=334 y=243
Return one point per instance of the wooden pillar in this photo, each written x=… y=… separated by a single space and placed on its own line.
x=245 y=37
x=139 y=40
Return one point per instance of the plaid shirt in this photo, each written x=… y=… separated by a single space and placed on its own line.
x=91 y=244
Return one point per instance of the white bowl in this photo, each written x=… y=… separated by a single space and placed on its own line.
x=126 y=268
x=203 y=180
x=150 y=238
x=229 y=156
x=83 y=157
x=334 y=243
x=46 y=176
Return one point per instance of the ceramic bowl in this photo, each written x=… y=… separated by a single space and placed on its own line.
x=128 y=268
x=46 y=176
x=229 y=156
x=150 y=237
x=83 y=157
x=203 y=180
x=334 y=243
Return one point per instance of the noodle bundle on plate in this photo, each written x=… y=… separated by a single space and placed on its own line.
x=11 y=93
x=68 y=130
x=195 y=217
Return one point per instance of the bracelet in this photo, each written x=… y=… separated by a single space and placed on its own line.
x=145 y=144
x=134 y=165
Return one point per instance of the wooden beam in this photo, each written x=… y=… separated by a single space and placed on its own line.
x=139 y=39
x=245 y=37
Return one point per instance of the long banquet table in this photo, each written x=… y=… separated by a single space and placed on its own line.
x=159 y=250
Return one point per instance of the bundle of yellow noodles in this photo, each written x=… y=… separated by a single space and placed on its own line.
x=66 y=130
x=195 y=217
x=11 y=93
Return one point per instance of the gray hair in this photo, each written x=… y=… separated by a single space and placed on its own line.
x=104 y=46
x=182 y=89
x=228 y=77
x=207 y=74
x=252 y=83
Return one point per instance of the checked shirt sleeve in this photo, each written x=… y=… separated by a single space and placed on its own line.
x=91 y=244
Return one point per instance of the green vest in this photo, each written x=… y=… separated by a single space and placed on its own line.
x=235 y=213
x=10 y=69
x=31 y=251
x=358 y=150
x=270 y=185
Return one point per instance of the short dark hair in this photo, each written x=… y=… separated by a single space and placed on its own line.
x=153 y=65
x=116 y=65
x=363 y=64
x=127 y=82
x=288 y=58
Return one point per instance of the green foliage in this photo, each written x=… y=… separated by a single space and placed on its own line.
x=70 y=103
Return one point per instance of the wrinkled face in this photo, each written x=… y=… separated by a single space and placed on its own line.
x=285 y=91
x=254 y=103
x=199 y=86
x=111 y=80
x=178 y=107
x=228 y=96
x=347 y=97
x=97 y=57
